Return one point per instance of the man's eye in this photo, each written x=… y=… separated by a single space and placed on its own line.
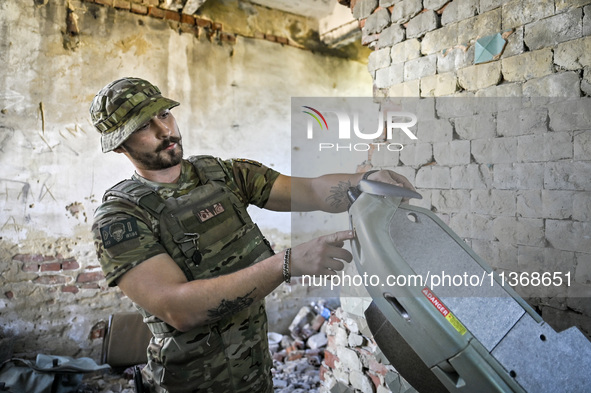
x=143 y=127
x=164 y=115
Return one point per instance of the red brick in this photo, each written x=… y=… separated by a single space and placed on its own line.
x=295 y=355
x=89 y=277
x=122 y=4
x=156 y=12
x=70 y=288
x=188 y=19
x=70 y=264
x=51 y=267
x=259 y=35
x=98 y=332
x=330 y=358
x=376 y=367
x=203 y=22
x=50 y=280
x=333 y=319
x=171 y=15
x=227 y=37
x=323 y=370
x=282 y=40
x=139 y=9
x=270 y=37
x=331 y=341
x=375 y=379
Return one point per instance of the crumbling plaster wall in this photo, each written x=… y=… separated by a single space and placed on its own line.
x=515 y=187
x=235 y=98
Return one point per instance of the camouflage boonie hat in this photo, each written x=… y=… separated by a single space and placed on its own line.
x=124 y=105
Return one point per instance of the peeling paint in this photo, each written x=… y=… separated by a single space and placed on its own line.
x=76 y=209
x=71 y=39
x=136 y=41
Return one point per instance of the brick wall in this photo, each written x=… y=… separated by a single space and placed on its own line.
x=515 y=185
x=427 y=48
x=46 y=298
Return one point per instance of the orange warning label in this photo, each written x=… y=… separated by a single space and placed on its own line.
x=444 y=311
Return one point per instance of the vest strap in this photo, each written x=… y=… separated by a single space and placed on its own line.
x=138 y=193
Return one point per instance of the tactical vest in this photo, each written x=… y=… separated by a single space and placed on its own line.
x=208 y=233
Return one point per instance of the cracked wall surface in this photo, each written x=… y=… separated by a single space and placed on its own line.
x=235 y=96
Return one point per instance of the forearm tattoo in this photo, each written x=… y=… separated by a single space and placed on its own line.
x=338 y=194
x=229 y=307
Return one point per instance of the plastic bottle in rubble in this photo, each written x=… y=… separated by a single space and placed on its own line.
x=321 y=309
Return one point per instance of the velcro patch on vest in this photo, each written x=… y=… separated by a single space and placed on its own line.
x=119 y=232
x=210 y=211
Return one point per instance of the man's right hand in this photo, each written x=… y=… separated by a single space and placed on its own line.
x=321 y=256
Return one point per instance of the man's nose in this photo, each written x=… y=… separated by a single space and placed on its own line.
x=162 y=129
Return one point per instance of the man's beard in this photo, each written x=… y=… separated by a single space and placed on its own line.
x=159 y=159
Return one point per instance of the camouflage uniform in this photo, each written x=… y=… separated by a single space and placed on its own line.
x=202 y=223
x=232 y=354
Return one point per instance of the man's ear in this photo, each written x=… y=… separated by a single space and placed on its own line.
x=120 y=149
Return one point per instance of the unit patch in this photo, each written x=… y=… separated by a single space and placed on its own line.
x=210 y=211
x=118 y=232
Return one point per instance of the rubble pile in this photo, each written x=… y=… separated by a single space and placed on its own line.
x=109 y=383
x=353 y=362
x=297 y=357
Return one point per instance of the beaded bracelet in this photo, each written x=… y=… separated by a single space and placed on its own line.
x=287 y=266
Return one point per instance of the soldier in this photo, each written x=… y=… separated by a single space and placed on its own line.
x=177 y=240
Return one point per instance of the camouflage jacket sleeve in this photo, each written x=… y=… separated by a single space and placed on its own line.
x=254 y=180
x=123 y=238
